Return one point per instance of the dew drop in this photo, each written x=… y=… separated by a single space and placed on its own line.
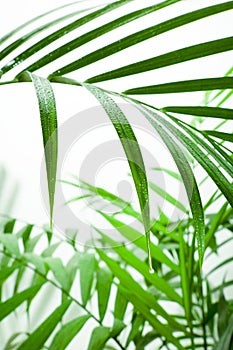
x=11 y=63
x=151 y=270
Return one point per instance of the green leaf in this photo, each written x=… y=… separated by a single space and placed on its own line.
x=104 y=282
x=87 y=267
x=186 y=173
x=216 y=152
x=215 y=223
x=133 y=154
x=220 y=180
x=99 y=337
x=131 y=259
x=214 y=197
x=184 y=86
x=72 y=268
x=144 y=296
x=19 y=277
x=110 y=197
x=49 y=234
x=152 y=319
x=117 y=328
x=9 y=226
x=5 y=272
x=32 y=242
x=225 y=340
x=37 y=261
x=138 y=240
x=25 y=233
x=211 y=307
x=37 y=339
x=221 y=135
x=48 y=117
x=136 y=328
x=224 y=284
x=213 y=112
x=24 y=25
x=10 y=242
x=165 y=195
x=169 y=172
x=167 y=59
x=17 y=43
x=218 y=266
x=59 y=271
x=61 y=32
x=148 y=338
x=5 y=258
x=222 y=156
x=120 y=305
x=223 y=314
x=93 y=34
x=68 y=332
x=12 y=303
x=48 y=252
x=141 y=36
x=75 y=199
x=185 y=278
x=11 y=345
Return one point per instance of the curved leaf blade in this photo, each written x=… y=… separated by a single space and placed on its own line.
x=87 y=267
x=12 y=303
x=7 y=271
x=24 y=25
x=127 y=256
x=48 y=117
x=225 y=340
x=93 y=34
x=59 y=271
x=152 y=319
x=169 y=198
x=208 y=84
x=220 y=180
x=68 y=332
x=134 y=157
x=170 y=173
x=37 y=339
x=143 y=35
x=221 y=135
x=185 y=278
x=59 y=33
x=120 y=305
x=17 y=43
x=136 y=289
x=99 y=337
x=162 y=127
x=37 y=261
x=10 y=242
x=222 y=158
x=138 y=239
x=104 y=282
x=167 y=59
x=213 y=112
x=211 y=169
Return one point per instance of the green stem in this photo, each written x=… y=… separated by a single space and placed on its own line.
x=191 y=274
x=203 y=313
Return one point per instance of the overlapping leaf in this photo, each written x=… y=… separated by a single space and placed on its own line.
x=134 y=157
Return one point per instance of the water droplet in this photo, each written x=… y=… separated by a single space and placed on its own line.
x=151 y=270
x=11 y=63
